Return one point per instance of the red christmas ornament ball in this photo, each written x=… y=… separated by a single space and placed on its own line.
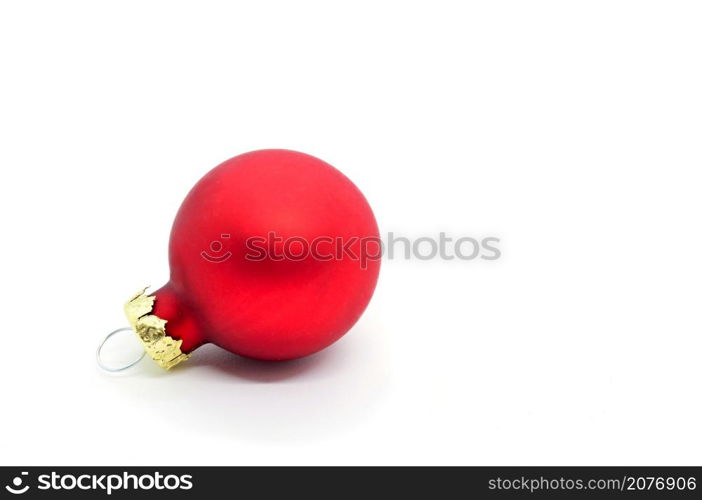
x=274 y=255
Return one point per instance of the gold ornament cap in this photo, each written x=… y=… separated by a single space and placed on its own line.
x=151 y=331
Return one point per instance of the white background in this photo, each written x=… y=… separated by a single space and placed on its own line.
x=571 y=130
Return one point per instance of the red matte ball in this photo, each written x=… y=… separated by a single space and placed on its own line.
x=274 y=255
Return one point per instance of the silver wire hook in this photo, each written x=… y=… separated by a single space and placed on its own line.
x=115 y=370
